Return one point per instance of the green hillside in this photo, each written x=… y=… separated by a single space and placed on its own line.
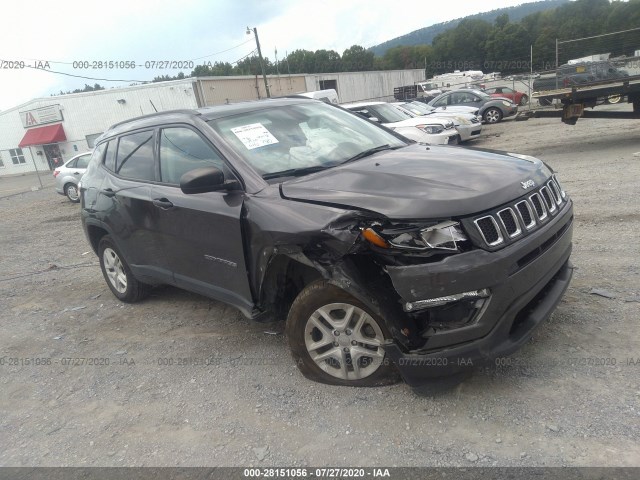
x=425 y=36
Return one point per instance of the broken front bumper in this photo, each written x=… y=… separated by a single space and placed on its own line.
x=526 y=279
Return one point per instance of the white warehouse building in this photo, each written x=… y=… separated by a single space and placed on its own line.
x=46 y=132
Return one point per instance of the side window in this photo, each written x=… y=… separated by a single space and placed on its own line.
x=135 y=156
x=441 y=103
x=183 y=150
x=96 y=158
x=83 y=161
x=72 y=163
x=110 y=157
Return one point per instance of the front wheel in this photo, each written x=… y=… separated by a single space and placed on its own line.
x=492 y=115
x=335 y=339
x=118 y=274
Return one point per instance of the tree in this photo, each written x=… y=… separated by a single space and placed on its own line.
x=326 y=61
x=357 y=59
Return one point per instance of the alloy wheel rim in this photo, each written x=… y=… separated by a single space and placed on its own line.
x=344 y=341
x=492 y=116
x=72 y=192
x=115 y=270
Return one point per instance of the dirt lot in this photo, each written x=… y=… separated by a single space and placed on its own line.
x=556 y=405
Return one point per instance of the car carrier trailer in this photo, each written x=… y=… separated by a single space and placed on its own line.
x=576 y=98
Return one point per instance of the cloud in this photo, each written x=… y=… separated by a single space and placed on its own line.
x=146 y=30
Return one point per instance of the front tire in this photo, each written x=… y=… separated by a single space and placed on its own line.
x=492 y=115
x=117 y=273
x=71 y=191
x=336 y=339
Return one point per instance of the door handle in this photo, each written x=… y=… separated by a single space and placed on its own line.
x=107 y=192
x=162 y=203
x=76 y=173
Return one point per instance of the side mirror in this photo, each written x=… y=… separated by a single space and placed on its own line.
x=207 y=179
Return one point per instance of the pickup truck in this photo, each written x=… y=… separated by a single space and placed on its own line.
x=419 y=90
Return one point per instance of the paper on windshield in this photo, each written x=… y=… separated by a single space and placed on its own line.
x=254 y=136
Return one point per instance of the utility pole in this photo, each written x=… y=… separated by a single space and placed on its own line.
x=556 y=63
x=264 y=75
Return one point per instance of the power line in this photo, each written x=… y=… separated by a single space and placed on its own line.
x=598 y=36
x=191 y=60
x=223 y=51
x=81 y=76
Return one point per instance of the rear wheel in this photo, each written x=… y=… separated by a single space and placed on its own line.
x=614 y=99
x=524 y=100
x=71 y=191
x=335 y=339
x=118 y=274
x=492 y=115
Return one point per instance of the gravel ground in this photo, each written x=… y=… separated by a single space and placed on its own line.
x=552 y=406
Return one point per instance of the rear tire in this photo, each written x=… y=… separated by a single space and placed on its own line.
x=117 y=273
x=71 y=191
x=524 y=100
x=336 y=339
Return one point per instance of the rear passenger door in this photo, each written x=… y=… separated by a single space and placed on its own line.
x=200 y=234
x=126 y=193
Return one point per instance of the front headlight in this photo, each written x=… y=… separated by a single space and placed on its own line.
x=506 y=104
x=445 y=235
x=431 y=129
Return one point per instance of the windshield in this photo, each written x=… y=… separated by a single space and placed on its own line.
x=481 y=94
x=384 y=112
x=302 y=136
x=419 y=108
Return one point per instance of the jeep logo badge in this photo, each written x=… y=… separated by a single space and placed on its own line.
x=528 y=184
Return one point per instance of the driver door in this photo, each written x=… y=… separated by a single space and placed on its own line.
x=199 y=233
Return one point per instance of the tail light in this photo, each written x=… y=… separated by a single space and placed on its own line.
x=56 y=172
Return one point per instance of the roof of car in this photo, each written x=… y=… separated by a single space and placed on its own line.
x=206 y=113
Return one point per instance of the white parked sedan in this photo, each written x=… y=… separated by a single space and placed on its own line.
x=469 y=126
x=435 y=131
x=68 y=175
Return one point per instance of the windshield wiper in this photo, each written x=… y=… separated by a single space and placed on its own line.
x=296 y=172
x=369 y=152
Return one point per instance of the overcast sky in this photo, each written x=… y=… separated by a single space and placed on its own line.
x=145 y=30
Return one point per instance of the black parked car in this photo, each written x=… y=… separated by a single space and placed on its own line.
x=379 y=252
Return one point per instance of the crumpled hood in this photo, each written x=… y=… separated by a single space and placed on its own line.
x=422 y=182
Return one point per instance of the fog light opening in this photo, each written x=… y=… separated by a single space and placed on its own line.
x=435 y=302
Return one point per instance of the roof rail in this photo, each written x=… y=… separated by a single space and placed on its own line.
x=156 y=114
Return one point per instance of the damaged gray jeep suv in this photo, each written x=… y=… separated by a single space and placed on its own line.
x=383 y=255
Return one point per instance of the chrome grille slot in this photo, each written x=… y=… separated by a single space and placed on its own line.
x=489 y=230
x=553 y=186
x=526 y=214
x=539 y=207
x=510 y=222
x=550 y=204
x=563 y=194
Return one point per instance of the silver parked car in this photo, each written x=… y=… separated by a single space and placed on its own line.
x=68 y=175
